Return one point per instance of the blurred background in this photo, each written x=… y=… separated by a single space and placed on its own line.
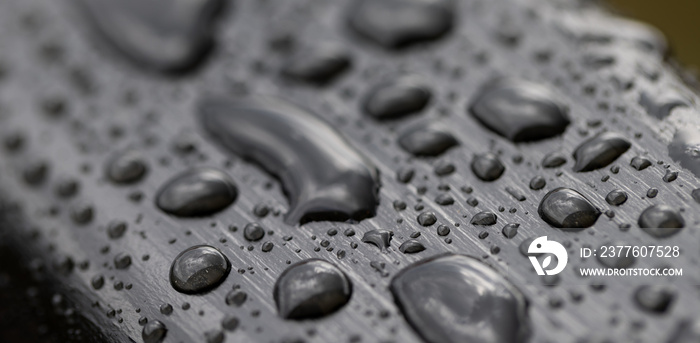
x=677 y=19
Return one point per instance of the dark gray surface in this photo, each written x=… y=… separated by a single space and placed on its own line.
x=109 y=104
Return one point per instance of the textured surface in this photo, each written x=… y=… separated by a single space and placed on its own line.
x=68 y=105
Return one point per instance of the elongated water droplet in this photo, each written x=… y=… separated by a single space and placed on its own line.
x=395 y=24
x=311 y=289
x=599 y=151
x=519 y=110
x=411 y=246
x=196 y=193
x=426 y=140
x=397 y=98
x=660 y=216
x=163 y=35
x=455 y=298
x=317 y=64
x=324 y=177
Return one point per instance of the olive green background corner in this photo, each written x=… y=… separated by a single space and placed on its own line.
x=677 y=19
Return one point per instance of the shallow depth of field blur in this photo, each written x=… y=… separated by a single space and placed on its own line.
x=677 y=19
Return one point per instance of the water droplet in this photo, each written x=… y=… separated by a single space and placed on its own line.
x=196 y=193
x=443 y=230
x=324 y=177
x=411 y=246
x=236 y=298
x=154 y=332
x=487 y=167
x=311 y=289
x=661 y=104
x=395 y=24
x=426 y=140
x=444 y=200
x=455 y=298
x=317 y=64
x=688 y=331
x=198 y=268
x=122 y=261
x=537 y=183
x=567 y=209
x=553 y=160
x=230 y=322
x=484 y=218
x=616 y=197
x=166 y=309
x=615 y=260
x=166 y=36
x=116 y=229
x=640 y=163
x=519 y=110
x=397 y=98
x=97 y=282
x=654 y=298
x=126 y=167
x=214 y=336
x=510 y=230
x=670 y=176
x=427 y=218
x=380 y=238
x=253 y=232
x=660 y=216
x=599 y=151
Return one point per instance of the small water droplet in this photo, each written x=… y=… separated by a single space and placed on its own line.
x=126 y=167
x=411 y=246
x=198 y=268
x=484 y=218
x=197 y=192
x=397 y=98
x=380 y=238
x=426 y=140
x=487 y=167
x=616 y=197
x=154 y=332
x=566 y=209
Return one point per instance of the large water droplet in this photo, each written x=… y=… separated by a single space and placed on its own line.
x=324 y=177
x=659 y=217
x=426 y=140
x=197 y=192
x=398 y=23
x=599 y=151
x=566 y=208
x=455 y=298
x=311 y=289
x=519 y=110
x=163 y=35
x=198 y=269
